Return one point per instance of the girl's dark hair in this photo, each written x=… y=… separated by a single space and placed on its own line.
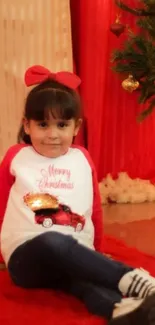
x=50 y=97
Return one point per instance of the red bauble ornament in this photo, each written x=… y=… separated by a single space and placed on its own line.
x=117 y=28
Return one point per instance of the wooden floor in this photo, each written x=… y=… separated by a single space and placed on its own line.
x=133 y=223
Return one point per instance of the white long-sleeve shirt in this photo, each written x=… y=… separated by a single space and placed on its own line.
x=70 y=178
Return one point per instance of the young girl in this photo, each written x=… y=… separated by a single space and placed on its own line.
x=52 y=229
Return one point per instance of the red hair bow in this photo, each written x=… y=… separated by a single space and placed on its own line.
x=38 y=74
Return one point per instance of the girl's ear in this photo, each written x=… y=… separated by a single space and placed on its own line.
x=77 y=126
x=26 y=126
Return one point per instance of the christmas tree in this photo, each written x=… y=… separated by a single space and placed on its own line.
x=137 y=57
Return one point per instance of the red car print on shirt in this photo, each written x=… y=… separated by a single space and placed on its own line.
x=48 y=211
x=61 y=218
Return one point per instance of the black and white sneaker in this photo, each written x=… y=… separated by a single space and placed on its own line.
x=143 y=315
x=137 y=283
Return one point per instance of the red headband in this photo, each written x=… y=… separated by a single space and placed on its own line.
x=38 y=74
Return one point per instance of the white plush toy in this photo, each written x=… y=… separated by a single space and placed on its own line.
x=126 y=190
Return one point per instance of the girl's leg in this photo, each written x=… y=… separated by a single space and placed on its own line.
x=35 y=264
x=62 y=254
x=98 y=299
x=31 y=267
x=57 y=252
x=109 y=304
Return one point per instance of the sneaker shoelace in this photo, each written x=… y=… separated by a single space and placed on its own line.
x=140 y=287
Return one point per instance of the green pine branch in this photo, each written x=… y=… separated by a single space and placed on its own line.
x=146 y=11
x=137 y=55
x=146 y=112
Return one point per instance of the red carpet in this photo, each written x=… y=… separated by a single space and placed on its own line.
x=27 y=307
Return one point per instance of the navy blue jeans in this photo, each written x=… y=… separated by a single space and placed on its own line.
x=57 y=261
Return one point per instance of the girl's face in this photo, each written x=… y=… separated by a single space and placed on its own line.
x=53 y=137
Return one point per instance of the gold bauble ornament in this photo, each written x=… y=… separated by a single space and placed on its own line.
x=130 y=84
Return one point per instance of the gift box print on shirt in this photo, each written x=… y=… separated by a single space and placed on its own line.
x=48 y=211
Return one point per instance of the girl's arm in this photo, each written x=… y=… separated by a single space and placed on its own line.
x=6 y=181
x=97 y=216
x=6 y=178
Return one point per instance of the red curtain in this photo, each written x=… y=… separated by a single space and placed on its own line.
x=114 y=139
